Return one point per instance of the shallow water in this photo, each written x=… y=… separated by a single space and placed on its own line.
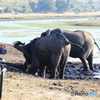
x=7 y=36
x=96 y=75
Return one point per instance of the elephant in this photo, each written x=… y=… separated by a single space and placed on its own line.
x=51 y=51
x=82 y=38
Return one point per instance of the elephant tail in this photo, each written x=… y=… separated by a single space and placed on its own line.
x=97 y=46
x=95 y=41
x=66 y=41
x=77 y=45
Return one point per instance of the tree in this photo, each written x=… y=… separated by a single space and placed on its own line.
x=46 y=6
x=90 y=2
x=26 y=9
x=61 y=5
x=68 y=5
x=32 y=5
x=2 y=11
x=9 y=9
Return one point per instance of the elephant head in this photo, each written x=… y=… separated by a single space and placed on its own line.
x=25 y=50
x=50 y=32
x=45 y=33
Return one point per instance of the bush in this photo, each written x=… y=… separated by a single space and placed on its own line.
x=9 y=10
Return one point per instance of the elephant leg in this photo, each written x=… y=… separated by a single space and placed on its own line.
x=25 y=65
x=61 y=74
x=34 y=67
x=86 y=67
x=62 y=69
x=90 y=61
x=32 y=70
x=42 y=71
x=53 y=72
x=55 y=61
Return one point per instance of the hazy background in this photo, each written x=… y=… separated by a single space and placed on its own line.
x=46 y=6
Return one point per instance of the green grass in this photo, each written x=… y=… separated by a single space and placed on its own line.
x=9 y=28
x=93 y=23
x=89 y=23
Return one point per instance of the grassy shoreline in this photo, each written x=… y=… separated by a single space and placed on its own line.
x=10 y=16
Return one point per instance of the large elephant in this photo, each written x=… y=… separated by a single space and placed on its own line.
x=51 y=51
x=84 y=39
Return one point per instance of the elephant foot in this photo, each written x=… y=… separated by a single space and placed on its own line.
x=87 y=72
x=61 y=77
x=52 y=78
x=30 y=72
x=94 y=70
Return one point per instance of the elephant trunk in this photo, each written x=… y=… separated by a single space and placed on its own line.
x=21 y=48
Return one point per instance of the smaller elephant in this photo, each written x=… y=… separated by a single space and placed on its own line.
x=51 y=51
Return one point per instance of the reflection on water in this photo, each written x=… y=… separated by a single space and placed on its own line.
x=34 y=32
x=96 y=75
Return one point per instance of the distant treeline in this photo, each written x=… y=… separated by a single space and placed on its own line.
x=46 y=6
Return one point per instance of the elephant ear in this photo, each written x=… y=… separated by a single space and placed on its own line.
x=58 y=30
x=45 y=33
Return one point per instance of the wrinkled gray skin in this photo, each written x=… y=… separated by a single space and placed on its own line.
x=51 y=51
x=81 y=38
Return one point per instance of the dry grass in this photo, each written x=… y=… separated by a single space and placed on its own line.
x=20 y=86
x=50 y=15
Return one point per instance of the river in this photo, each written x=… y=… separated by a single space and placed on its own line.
x=34 y=32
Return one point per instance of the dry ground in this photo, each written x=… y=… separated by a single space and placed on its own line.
x=18 y=85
